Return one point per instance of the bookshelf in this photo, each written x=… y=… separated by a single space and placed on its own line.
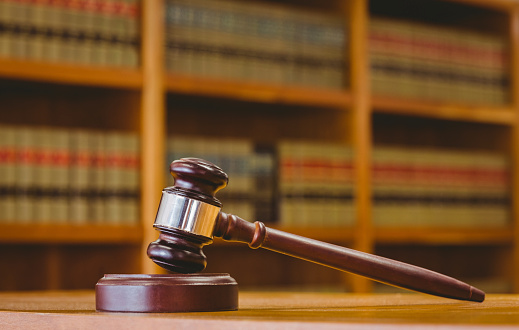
x=155 y=103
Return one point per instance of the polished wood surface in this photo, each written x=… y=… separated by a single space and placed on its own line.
x=261 y=310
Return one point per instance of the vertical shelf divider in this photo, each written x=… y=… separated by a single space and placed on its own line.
x=359 y=82
x=153 y=119
x=514 y=53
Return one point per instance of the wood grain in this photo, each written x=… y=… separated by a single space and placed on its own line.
x=261 y=310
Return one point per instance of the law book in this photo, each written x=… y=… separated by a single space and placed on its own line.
x=60 y=175
x=25 y=175
x=129 y=166
x=98 y=177
x=7 y=173
x=81 y=177
x=113 y=177
x=42 y=175
x=121 y=178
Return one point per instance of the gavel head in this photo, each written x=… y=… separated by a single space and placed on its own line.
x=187 y=215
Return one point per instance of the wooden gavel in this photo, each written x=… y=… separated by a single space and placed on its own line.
x=189 y=217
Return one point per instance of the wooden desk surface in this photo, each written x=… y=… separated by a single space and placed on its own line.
x=263 y=310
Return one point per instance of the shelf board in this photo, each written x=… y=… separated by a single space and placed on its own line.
x=72 y=74
x=70 y=234
x=258 y=92
x=448 y=111
x=438 y=236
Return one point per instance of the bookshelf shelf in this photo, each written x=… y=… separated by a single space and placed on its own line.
x=257 y=92
x=497 y=115
x=69 y=234
x=82 y=75
x=444 y=236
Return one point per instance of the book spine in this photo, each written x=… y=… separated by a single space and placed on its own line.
x=25 y=175
x=113 y=177
x=81 y=188
x=121 y=178
x=99 y=177
x=60 y=175
x=7 y=173
x=42 y=177
x=129 y=167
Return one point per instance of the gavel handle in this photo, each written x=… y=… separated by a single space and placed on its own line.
x=392 y=272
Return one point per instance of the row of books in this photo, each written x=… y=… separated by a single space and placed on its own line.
x=311 y=184
x=315 y=184
x=251 y=169
x=92 y=32
x=428 y=187
x=255 y=41
x=83 y=176
x=427 y=62
x=52 y=175
x=264 y=42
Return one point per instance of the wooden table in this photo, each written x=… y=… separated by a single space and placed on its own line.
x=264 y=310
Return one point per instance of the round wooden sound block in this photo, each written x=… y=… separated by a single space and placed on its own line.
x=166 y=293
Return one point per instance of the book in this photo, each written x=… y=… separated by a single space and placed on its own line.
x=8 y=159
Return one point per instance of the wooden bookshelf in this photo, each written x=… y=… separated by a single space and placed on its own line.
x=140 y=100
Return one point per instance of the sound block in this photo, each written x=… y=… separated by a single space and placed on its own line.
x=166 y=293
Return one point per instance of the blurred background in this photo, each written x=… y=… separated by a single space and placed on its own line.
x=387 y=126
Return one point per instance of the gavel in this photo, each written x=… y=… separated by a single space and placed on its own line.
x=189 y=217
